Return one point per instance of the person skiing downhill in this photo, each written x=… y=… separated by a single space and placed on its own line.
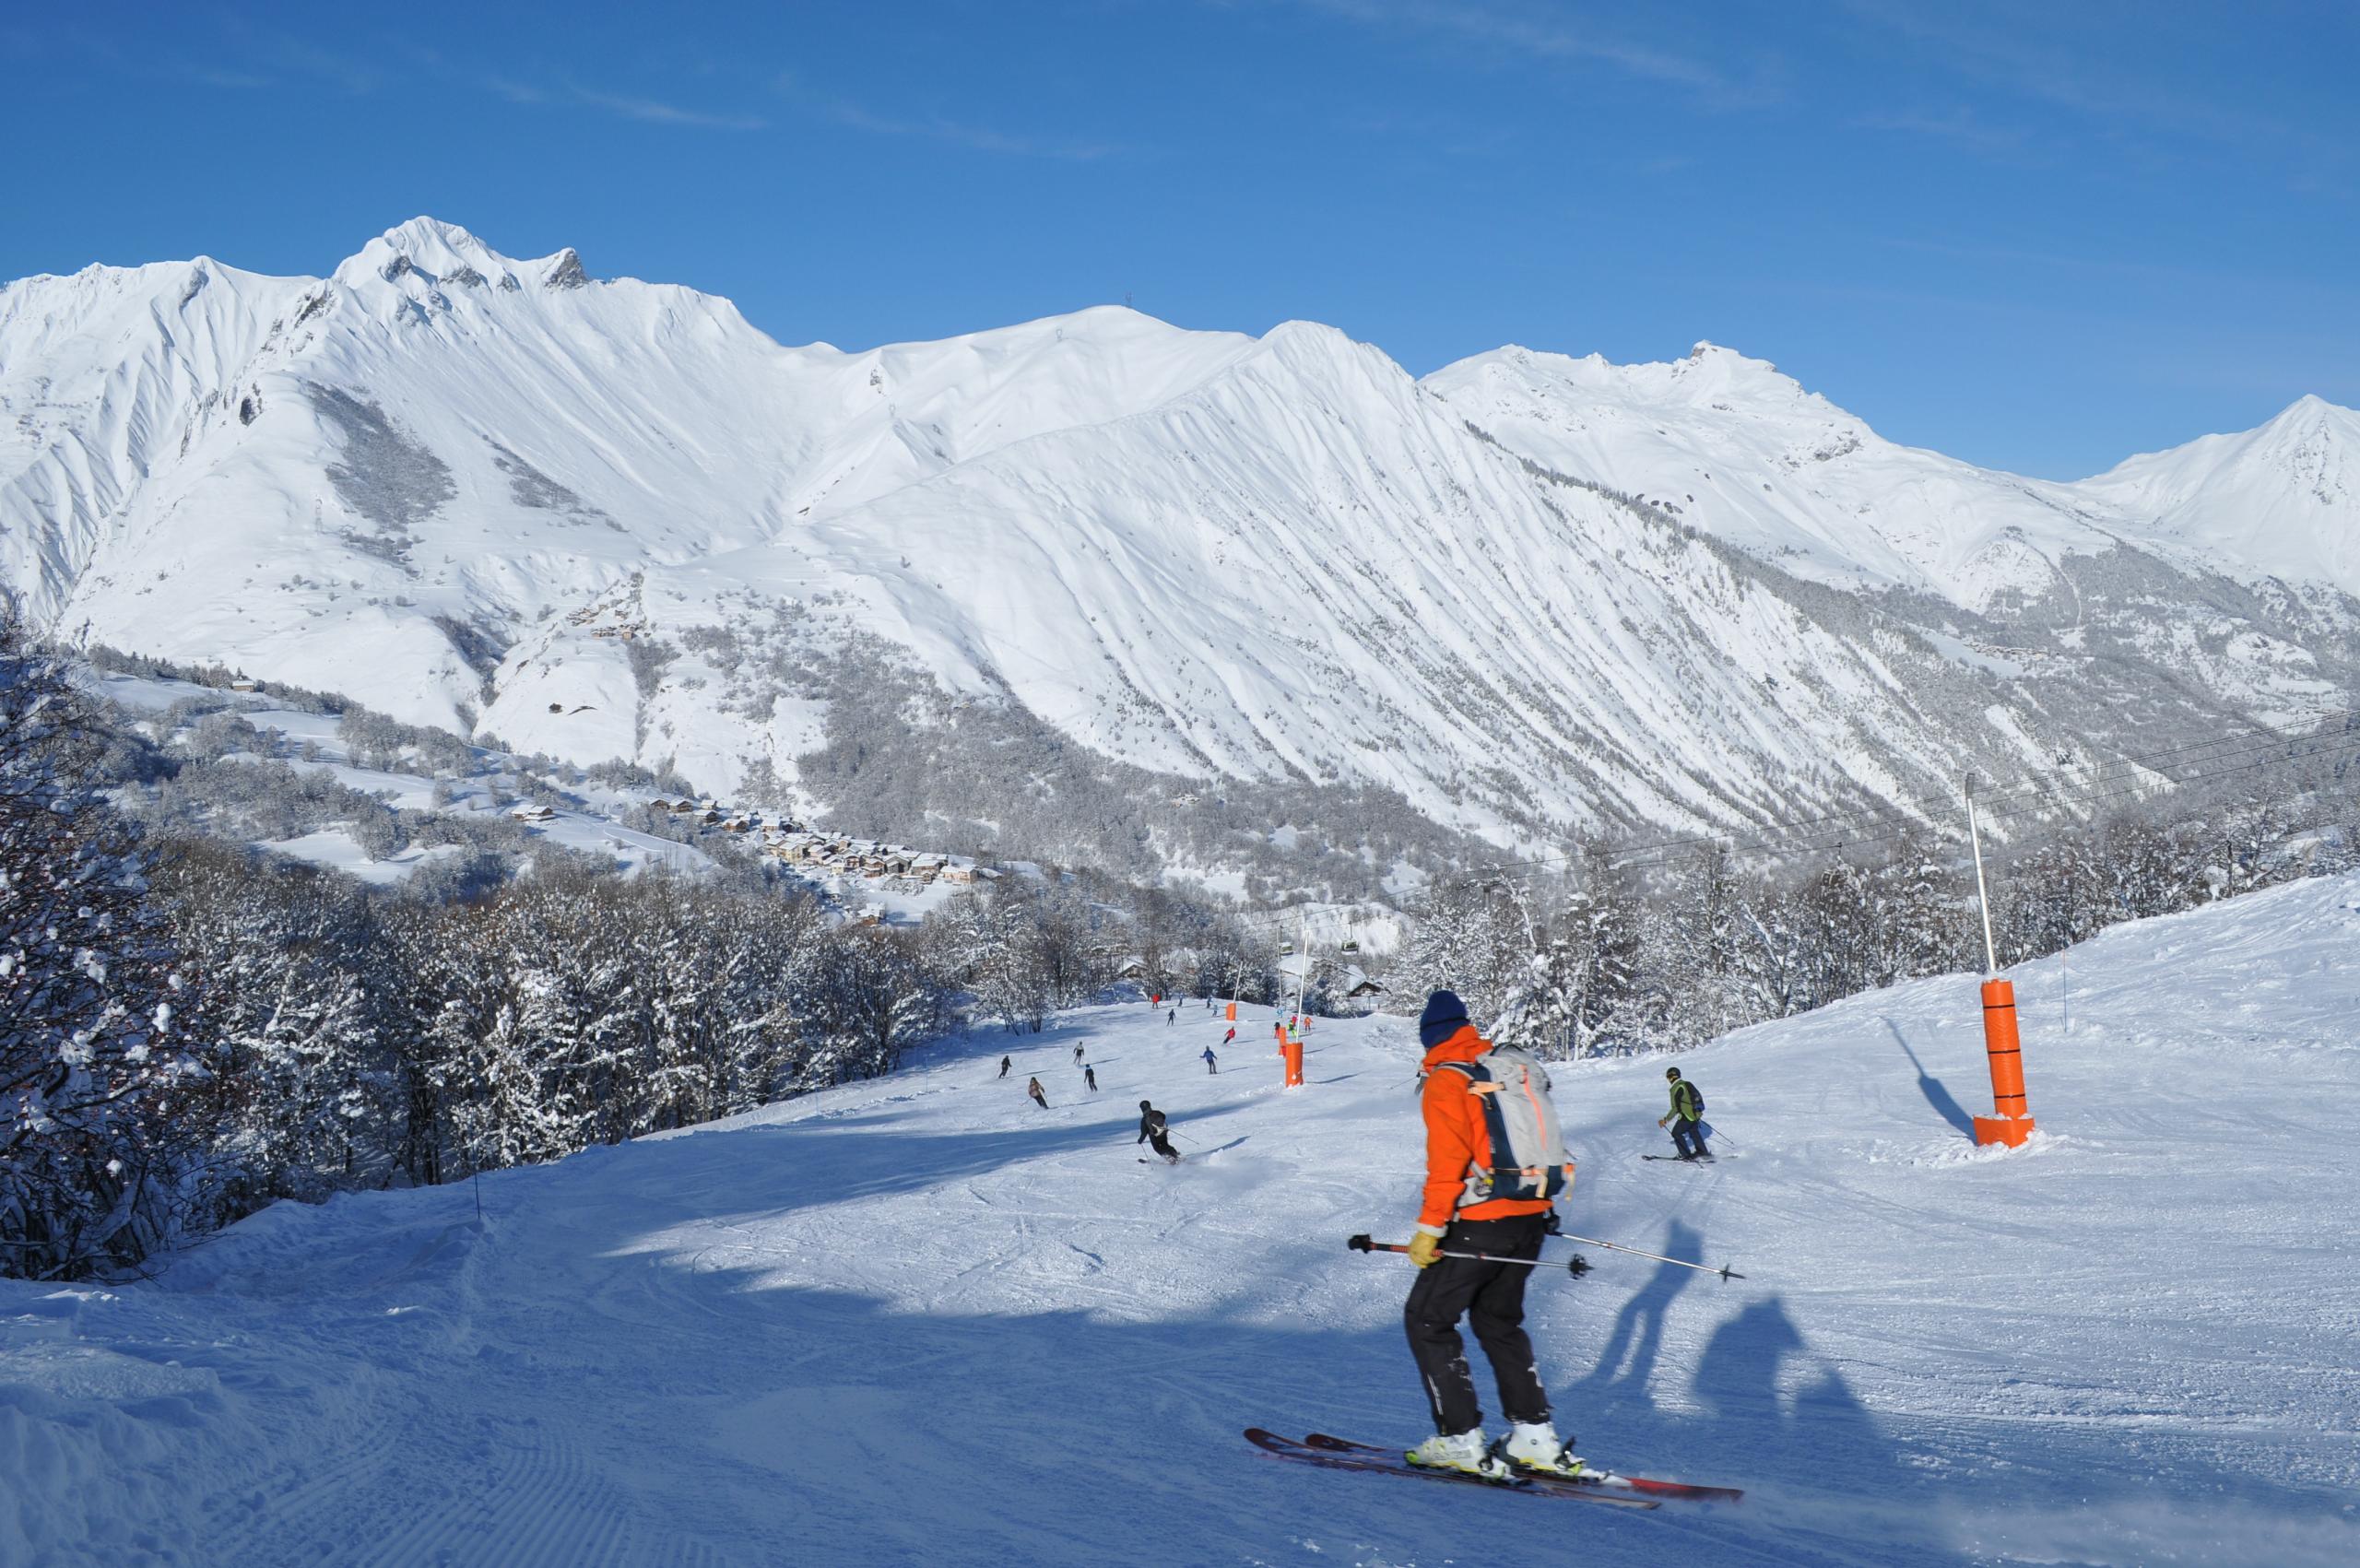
x=1156 y=1133
x=1211 y=1064
x=1077 y=1055
x=1230 y=1037
x=1090 y=1079
x=1474 y=1098
x=1172 y=1017
x=1040 y=1099
x=1686 y=1116
x=1003 y=1067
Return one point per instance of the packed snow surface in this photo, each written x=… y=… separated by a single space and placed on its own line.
x=918 y=1320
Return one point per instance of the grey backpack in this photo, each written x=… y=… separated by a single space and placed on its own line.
x=1529 y=1158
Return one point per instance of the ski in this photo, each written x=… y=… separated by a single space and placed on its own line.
x=1600 y=1480
x=1703 y=1159
x=1392 y=1462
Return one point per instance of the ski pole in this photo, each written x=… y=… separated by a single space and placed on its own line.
x=1578 y=1267
x=1724 y=1270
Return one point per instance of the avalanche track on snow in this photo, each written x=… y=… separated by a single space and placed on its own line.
x=918 y=1320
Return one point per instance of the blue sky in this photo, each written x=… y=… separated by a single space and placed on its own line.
x=2040 y=236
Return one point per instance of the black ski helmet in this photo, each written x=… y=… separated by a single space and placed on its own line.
x=1145 y=1106
x=1672 y=1072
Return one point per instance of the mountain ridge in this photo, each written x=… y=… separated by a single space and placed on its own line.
x=1530 y=595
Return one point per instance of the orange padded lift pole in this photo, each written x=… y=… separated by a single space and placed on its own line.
x=2010 y=1123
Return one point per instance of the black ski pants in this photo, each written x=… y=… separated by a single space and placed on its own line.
x=1162 y=1146
x=1491 y=1297
x=1686 y=1133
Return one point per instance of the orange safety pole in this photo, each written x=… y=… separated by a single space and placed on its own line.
x=1233 y=1013
x=2009 y=1123
x=1294 y=1063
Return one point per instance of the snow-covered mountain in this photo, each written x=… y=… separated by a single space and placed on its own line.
x=1729 y=444
x=2283 y=498
x=1530 y=595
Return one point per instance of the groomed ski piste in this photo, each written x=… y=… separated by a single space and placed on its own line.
x=918 y=1320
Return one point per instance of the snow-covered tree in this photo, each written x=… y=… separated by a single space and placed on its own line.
x=96 y=1020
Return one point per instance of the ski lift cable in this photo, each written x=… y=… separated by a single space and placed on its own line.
x=1952 y=834
x=2239 y=761
x=2218 y=751
x=2014 y=803
x=2177 y=783
x=2152 y=761
x=2244 y=758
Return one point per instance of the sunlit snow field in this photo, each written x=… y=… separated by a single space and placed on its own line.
x=919 y=1320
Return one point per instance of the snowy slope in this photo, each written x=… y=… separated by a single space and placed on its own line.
x=608 y=518
x=2285 y=497
x=1729 y=445
x=920 y=1321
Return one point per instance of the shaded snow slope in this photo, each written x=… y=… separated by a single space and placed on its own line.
x=610 y=519
x=918 y=1320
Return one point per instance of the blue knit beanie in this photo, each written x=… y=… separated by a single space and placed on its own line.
x=1445 y=1012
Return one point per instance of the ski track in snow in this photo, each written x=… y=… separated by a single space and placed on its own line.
x=919 y=1320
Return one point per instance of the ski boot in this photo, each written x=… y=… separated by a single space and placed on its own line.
x=1465 y=1452
x=1534 y=1448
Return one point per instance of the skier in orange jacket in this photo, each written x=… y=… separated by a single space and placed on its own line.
x=1479 y=1105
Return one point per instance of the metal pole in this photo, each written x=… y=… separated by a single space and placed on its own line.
x=1577 y=1266
x=1982 y=896
x=1617 y=1247
x=1301 y=956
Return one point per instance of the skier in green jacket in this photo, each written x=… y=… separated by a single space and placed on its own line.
x=1686 y=1118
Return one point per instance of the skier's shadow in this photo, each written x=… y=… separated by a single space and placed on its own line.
x=1940 y=1098
x=1627 y=1360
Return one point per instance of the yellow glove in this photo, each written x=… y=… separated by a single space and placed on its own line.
x=1425 y=1249
x=1661 y=1120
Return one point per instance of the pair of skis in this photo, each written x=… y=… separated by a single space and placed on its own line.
x=1596 y=1486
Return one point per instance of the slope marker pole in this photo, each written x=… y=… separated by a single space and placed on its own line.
x=2011 y=1121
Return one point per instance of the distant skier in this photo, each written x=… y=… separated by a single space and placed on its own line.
x=1172 y=1017
x=1077 y=1056
x=1004 y=1066
x=1212 y=1064
x=1156 y=1133
x=1040 y=1099
x=1686 y=1116
x=1089 y=1078
x=1231 y=1036
x=1480 y=1197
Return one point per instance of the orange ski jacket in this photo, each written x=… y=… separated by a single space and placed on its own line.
x=1457 y=1140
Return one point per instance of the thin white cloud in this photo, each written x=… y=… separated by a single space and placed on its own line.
x=1546 y=30
x=934 y=127
x=655 y=112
